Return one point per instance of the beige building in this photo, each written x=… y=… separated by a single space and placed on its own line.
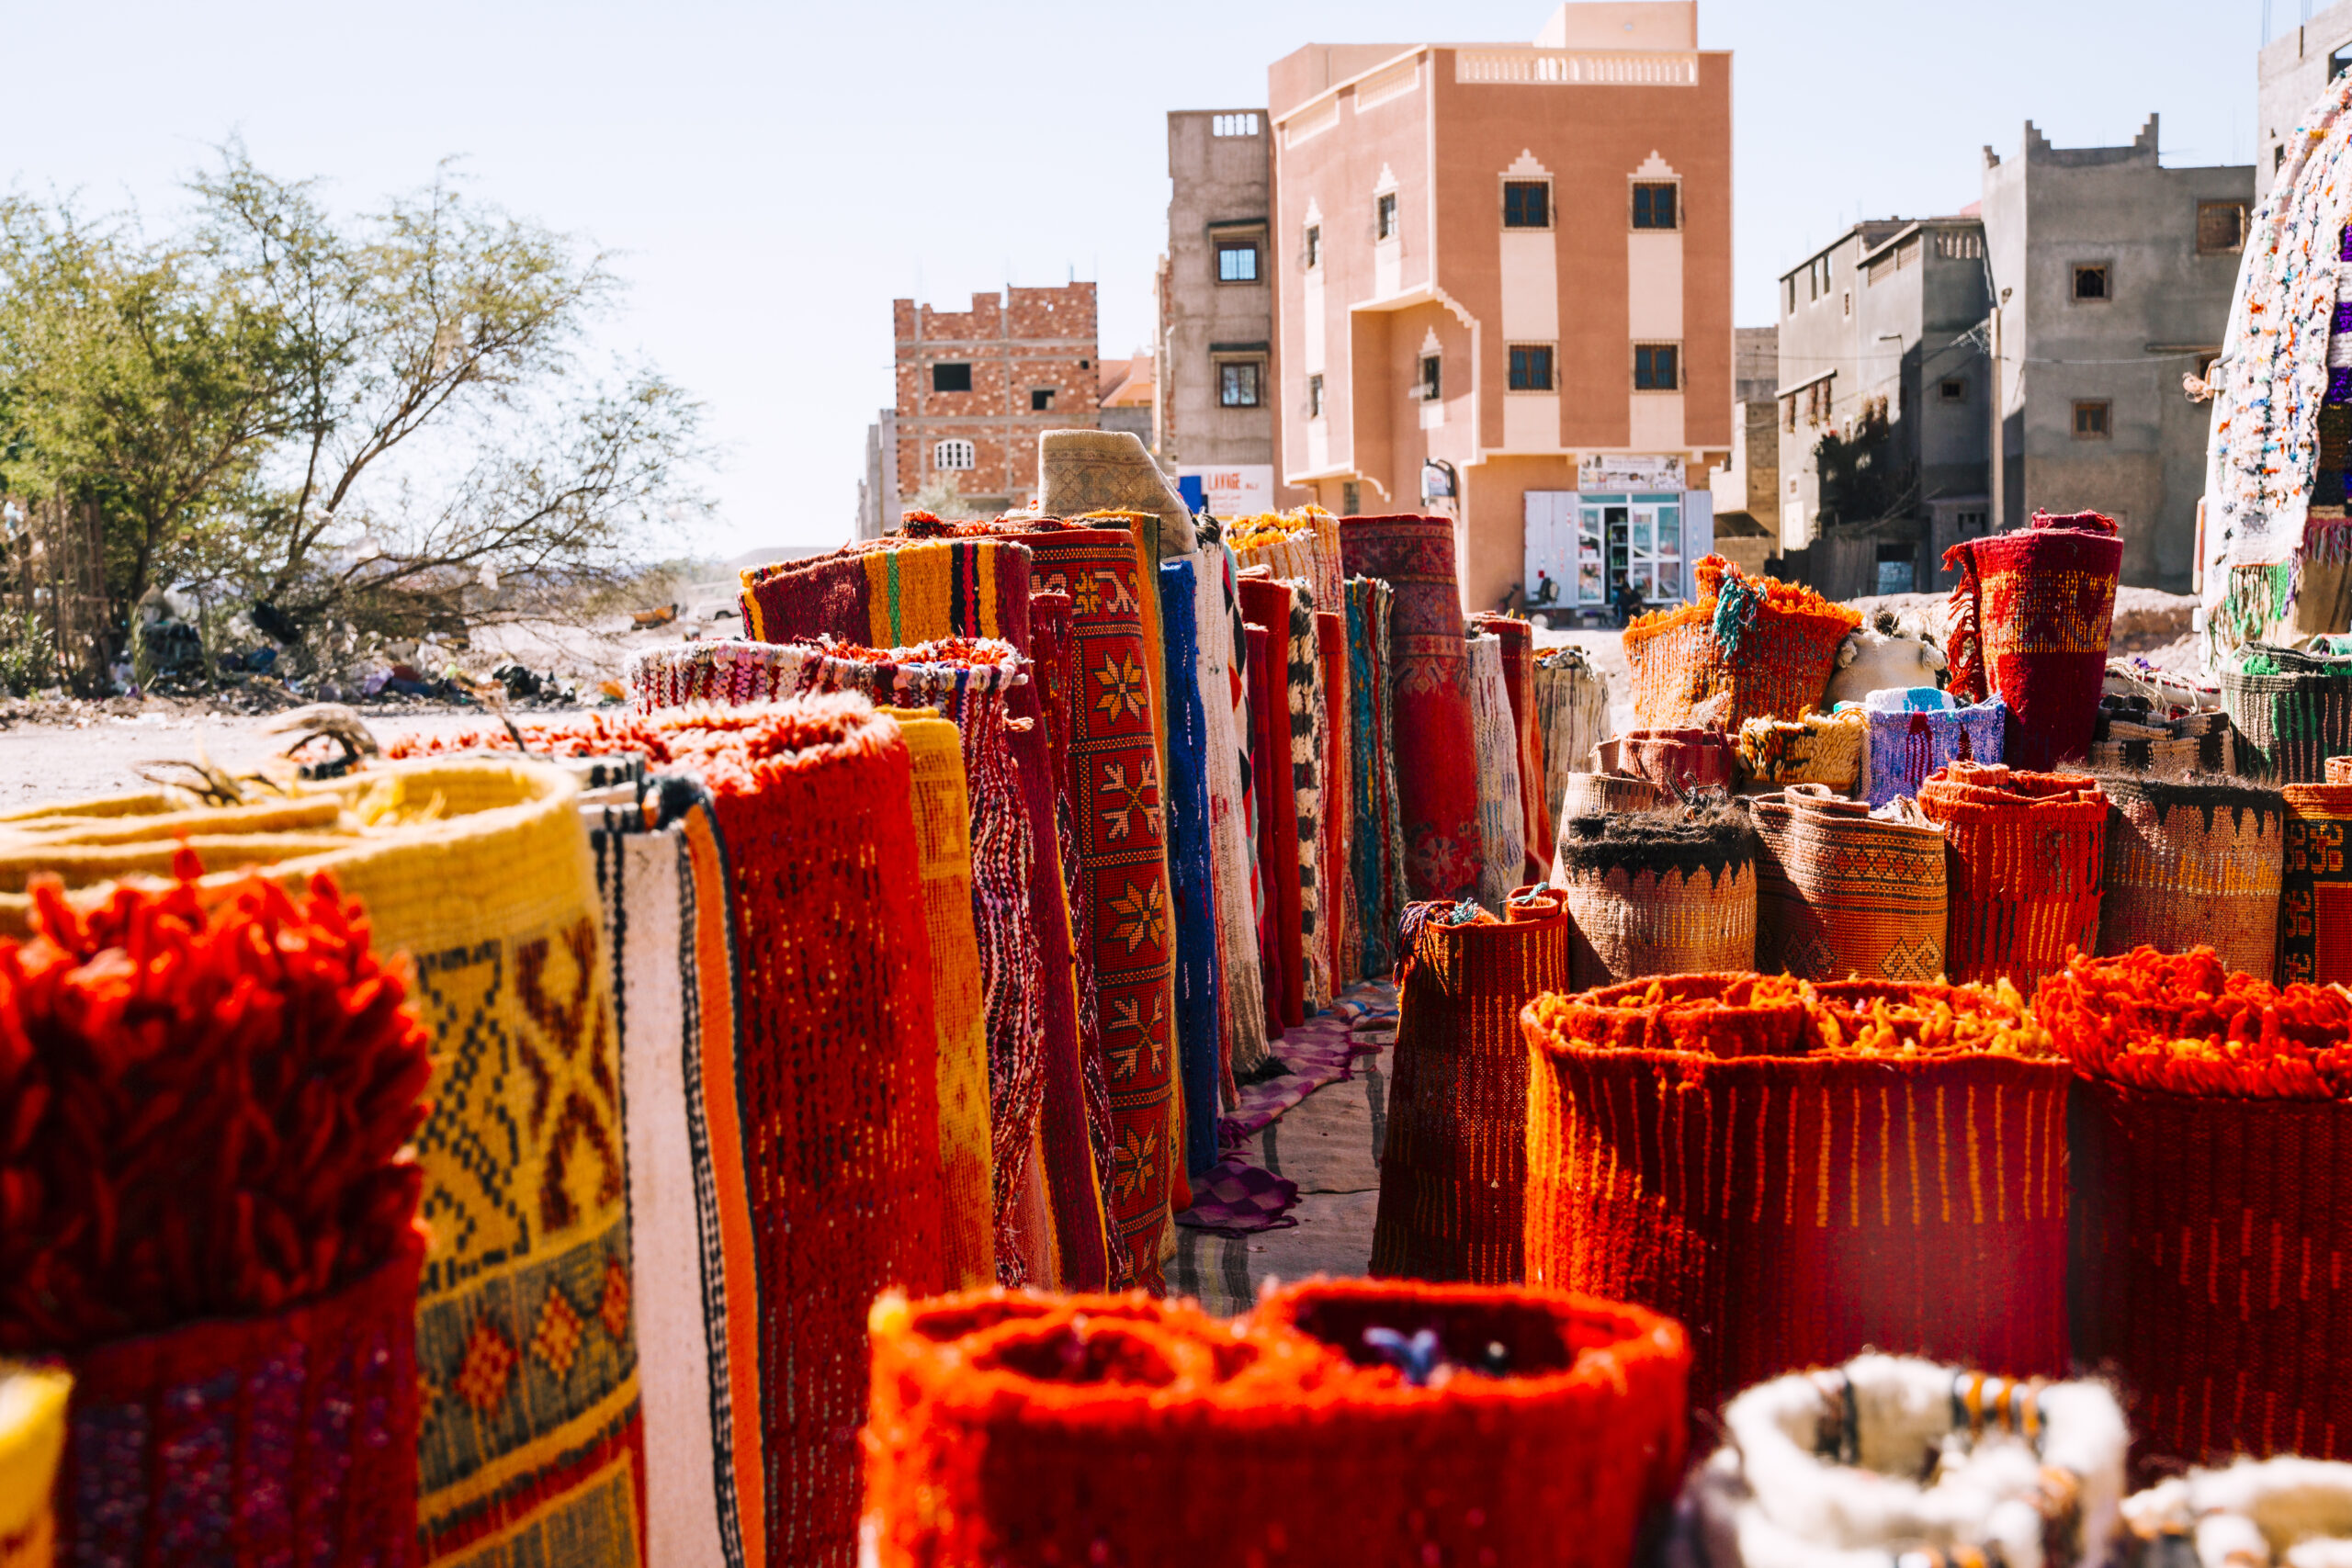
x=1215 y=410
x=1505 y=270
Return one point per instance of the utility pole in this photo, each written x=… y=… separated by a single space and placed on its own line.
x=1999 y=516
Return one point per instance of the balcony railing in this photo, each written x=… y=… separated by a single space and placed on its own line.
x=1575 y=67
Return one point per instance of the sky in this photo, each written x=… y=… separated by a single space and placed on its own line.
x=769 y=177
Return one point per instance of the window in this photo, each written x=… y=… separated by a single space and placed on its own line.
x=951 y=378
x=2090 y=282
x=1383 y=226
x=2090 y=421
x=2221 y=227
x=1657 y=367
x=1350 y=499
x=1849 y=304
x=1789 y=413
x=953 y=454
x=1314 y=244
x=1429 y=382
x=1792 y=282
x=1041 y=400
x=1653 y=207
x=1315 y=397
x=1233 y=125
x=2278 y=157
x=1953 y=390
x=1894 y=568
x=2339 y=63
x=1236 y=260
x=1969 y=522
x=1527 y=204
x=1237 y=383
x=1530 y=367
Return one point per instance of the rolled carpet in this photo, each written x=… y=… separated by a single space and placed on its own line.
x=2251 y=1514
x=1841 y=893
x=2030 y=617
x=1277 y=848
x=1454 y=1167
x=1307 y=761
x=1528 y=1427
x=1667 y=892
x=1342 y=941
x=1800 y=1172
x=1191 y=859
x=1304 y=544
x=1572 y=714
x=1437 y=779
x=2194 y=863
x=1519 y=682
x=1241 y=1000
x=2024 y=857
x=1376 y=869
x=1502 y=857
x=1285 y=853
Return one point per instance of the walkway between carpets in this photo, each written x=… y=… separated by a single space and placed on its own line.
x=1330 y=1145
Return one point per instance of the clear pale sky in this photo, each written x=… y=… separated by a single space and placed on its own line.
x=771 y=177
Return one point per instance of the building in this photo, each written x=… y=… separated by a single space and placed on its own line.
x=1504 y=270
x=1215 y=398
x=878 y=492
x=977 y=386
x=2291 y=72
x=1126 y=395
x=1747 y=490
x=2113 y=276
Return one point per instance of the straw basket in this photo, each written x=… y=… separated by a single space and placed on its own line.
x=1841 y=893
x=2190 y=863
x=1659 y=893
x=2291 y=711
x=1701 y=663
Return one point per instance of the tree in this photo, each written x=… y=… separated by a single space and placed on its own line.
x=1864 y=479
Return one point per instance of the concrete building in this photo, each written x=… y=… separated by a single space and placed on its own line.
x=1126 y=395
x=1747 y=490
x=977 y=386
x=1505 y=269
x=2114 y=277
x=2291 y=72
x=878 y=492
x=1215 y=398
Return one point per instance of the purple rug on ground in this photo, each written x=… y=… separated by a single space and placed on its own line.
x=1234 y=1199
x=1316 y=1052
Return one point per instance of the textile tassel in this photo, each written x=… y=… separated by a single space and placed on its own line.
x=1920 y=752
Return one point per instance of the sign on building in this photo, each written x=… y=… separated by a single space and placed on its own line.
x=1234 y=490
x=1621 y=470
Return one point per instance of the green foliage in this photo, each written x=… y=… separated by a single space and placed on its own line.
x=938 y=496
x=27 y=662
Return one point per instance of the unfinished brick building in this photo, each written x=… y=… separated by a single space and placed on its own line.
x=977 y=387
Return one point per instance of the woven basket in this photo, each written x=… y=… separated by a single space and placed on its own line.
x=32 y=1439
x=480 y=870
x=2024 y=869
x=2204 y=1174
x=1674 y=760
x=1907 y=745
x=1685 y=673
x=2029 y=618
x=2290 y=721
x=1018 y=1429
x=2315 y=889
x=1702 y=1146
x=2190 y=863
x=1454 y=1167
x=1819 y=749
x=1592 y=794
x=1841 y=893
x=1893 y=1460
x=1659 y=893
x=235 y=1443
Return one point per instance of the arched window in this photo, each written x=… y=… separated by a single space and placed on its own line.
x=957 y=455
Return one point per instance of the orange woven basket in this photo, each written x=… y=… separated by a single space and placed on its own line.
x=1750 y=648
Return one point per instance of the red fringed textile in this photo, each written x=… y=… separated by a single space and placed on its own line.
x=1015 y=1428
x=1453 y=1170
x=1518 y=683
x=1798 y=1173
x=839 y=1072
x=1278 y=819
x=207 y=1109
x=2030 y=618
x=2025 y=862
x=1437 y=775
x=243 y=1442
x=2212 y=1140
x=1673 y=759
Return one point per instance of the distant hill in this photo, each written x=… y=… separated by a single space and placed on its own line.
x=767 y=553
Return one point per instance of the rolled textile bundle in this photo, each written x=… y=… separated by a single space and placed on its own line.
x=1677 y=761
x=1017 y=1427
x=1749 y=648
x=1241 y=1001
x=2194 y=863
x=1283 y=939
x=1572 y=716
x=1081 y=470
x=2209 y=1108
x=2030 y=617
x=2295 y=1512
x=1437 y=780
x=1668 y=892
x=1303 y=544
x=1192 y=861
x=1341 y=937
x=1518 y=681
x=32 y=1440
x=1454 y=1167
x=1501 y=819
x=1589 y=795
x=1842 y=893
x=1819 y=749
x=1800 y=1172
x=1377 y=868
x=1308 y=716
x=1895 y=1459
x=213 y=1225
x=2291 y=710
x=1915 y=730
x=2025 y=866
x=480 y=870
